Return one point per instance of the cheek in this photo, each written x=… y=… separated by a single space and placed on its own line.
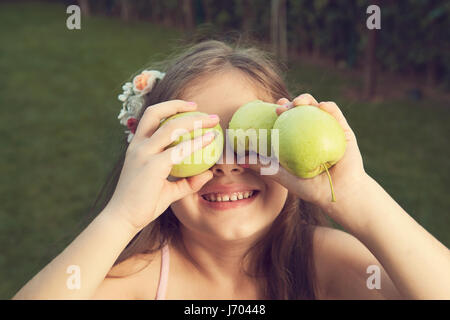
x=227 y=225
x=275 y=195
x=184 y=210
x=189 y=214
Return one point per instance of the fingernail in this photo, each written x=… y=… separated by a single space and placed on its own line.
x=209 y=135
x=213 y=116
x=191 y=103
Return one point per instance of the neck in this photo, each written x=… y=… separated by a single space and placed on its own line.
x=219 y=260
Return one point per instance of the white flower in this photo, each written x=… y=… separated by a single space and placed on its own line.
x=134 y=104
x=124 y=120
x=132 y=96
x=122 y=113
x=127 y=86
x=130 y=137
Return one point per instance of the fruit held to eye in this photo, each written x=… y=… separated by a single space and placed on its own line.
x=310 y=141
x=202 y=159
x=246 y=124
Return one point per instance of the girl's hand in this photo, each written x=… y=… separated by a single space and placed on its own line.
x=143 y=191
x=346 y=174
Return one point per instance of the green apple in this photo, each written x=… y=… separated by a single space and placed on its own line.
x=310 y=141
x=246 y=123
x=202 y=159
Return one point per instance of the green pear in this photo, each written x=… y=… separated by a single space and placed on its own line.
x=202 y=159
x=310 y=141
x=246 y=123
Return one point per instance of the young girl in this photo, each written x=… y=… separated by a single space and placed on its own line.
x=157 y=237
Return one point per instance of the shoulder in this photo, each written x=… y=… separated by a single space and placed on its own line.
x=332 y=241
x=324 y=253
x=133 y=265
x=336 y=255
x=134 y=278
x=341 y=263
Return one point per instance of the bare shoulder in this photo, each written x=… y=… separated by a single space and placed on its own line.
x=135 y=278
x=341 y=264
x=324 y=241
x=328 y=241
x=333 y=246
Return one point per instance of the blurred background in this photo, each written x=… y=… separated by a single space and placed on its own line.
x=60 y=137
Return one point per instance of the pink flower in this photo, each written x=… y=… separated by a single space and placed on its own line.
x=144 y=82
x=132 y=124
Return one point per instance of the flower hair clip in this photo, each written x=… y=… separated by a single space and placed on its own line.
x=133 y=98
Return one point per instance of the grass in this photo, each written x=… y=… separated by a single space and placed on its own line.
x=59 y=134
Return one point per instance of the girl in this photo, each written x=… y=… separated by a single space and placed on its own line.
x=159 y=238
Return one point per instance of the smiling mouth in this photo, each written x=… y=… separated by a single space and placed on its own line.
x=230 y=197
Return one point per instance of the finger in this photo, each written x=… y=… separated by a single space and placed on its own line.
x=281 y=109
x=332 y=108
x=305 y=99
x=175 y=128
x=282 y=101
x=286 y=106
x=153 y=115
x=181 y=151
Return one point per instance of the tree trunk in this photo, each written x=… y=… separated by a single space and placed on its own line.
x=278 y=33
x=248 y=20
x=282 y=29
x=431 y=72
x=85 y=8
x=188 y=13
x=154 y=12
x=274 y=16
x=125 y=10
x=370 y=65
x=207 y=10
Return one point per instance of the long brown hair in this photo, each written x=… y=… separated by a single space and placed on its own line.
x=282 y=260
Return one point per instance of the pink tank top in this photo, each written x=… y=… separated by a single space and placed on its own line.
x=164 y=276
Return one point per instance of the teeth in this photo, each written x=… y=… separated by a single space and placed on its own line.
x=214 y=197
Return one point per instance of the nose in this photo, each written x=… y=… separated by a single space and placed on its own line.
x=220 y=170
x=226 y=166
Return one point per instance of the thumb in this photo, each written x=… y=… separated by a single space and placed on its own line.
x=190 y=185
x=249 y=161
x=269 y=166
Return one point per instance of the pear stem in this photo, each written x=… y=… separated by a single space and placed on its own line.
x=333 y=198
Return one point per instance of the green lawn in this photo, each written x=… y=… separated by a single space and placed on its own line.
x=59 y=134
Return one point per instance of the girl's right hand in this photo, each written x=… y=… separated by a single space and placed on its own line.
x=143 y=191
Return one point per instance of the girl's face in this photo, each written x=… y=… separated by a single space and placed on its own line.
x=223 y=94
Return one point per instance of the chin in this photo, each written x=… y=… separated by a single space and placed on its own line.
x=225 y=223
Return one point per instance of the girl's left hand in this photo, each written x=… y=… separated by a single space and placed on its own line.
x=346 y=174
